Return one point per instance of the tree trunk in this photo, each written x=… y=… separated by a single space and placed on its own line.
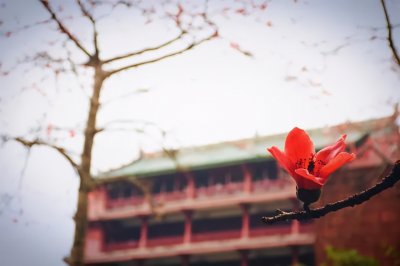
x=77 y=253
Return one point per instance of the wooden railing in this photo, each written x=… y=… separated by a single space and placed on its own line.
x=121 y=202
x=270 y=230
x=170 y=196
x=271 y=185
x=108 y=247
x=218 y=190
x=166 y=241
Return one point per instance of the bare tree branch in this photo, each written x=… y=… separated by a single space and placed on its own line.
x=187 y=48
x=389 y=32
x=62 y=28
x=351 y=201
x=149 y=49
x=29 y=144
x=86 y=13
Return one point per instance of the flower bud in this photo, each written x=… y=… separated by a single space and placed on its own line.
x=308 y=196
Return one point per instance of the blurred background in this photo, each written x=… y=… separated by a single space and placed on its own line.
x=198 y=87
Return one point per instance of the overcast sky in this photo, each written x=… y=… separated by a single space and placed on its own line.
x=313 y=63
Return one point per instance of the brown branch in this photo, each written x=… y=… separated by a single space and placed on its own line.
x=86 y=13
x=189 y=47
x=149 y=49
x=390 y=32
x=29 y=144
x=62 y=28
x=351 y=201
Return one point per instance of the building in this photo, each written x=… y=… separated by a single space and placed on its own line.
x=203 y=205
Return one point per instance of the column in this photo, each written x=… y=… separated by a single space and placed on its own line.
x=245 y=220
x=97 y=201
x=294 y=224
x=295 y=227
x=143 y=232
x=247 y=179
x=94 y=240
x=187 y=237
x=244 y=258
x=191 y=187
x=185 y=259
x=102 y=198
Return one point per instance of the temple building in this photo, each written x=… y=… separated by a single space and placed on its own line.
x=203 y=205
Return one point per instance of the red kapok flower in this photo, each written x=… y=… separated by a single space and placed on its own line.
x=310 y=170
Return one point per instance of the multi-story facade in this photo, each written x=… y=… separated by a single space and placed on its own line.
x=203 y=205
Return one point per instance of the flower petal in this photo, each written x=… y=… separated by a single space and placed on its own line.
x=328 y=153
x=299 y=148
x=336 y=163
x=283 y=160
x=307 y=180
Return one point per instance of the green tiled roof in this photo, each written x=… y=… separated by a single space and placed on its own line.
x=233 y=152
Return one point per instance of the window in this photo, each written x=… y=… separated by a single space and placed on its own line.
x=120 y=231
x=264 y=170
x=201 y=178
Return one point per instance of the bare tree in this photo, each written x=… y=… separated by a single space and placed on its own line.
x=193 y=30
x=193 y=26
x=102 y=71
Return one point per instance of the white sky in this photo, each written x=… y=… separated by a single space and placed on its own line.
x=210 y=94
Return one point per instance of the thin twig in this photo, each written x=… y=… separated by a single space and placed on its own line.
x=187 y=48
x=351 y=201
x=29 y=144
x=62 y=28
x=389 y=31
x=145 y=50
x=86 y=13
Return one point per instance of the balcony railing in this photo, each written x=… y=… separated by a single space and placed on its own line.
x=271 y=185
x=270 y=230
x=108 y=247
x=164 y=241
x=217 y=196
x=121 y=202
x=217 y=190
x=234 y=238
x=170 y=196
